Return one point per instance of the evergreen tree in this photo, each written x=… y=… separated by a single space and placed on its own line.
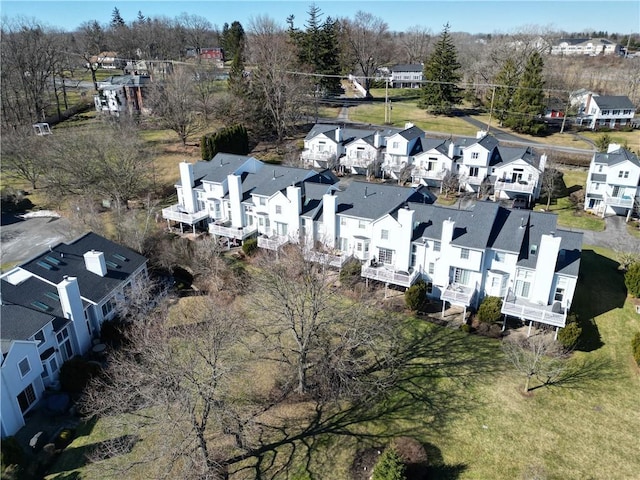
x=389 y=466
x=441 y=75
x=527 y=106
x=232 y=39
x=116 y=18
x=237 y=81
x=506 y=81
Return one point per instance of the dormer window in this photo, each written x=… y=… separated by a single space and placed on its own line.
x=475 y=155
x=533 y=250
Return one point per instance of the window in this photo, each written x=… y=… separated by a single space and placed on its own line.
x=362 y=224
x=499 y=257
x=561 y=287
x=344 y=244
x=24 y=367
x=395 y=145
x=281 y=229
x=359 y=246
x=26 y=398
x=533 y=250
x=107 y=307
x=414 y=251
x=278 y=209
x=385 y=255
x=475 y=155
x=261 y=221
x=437 y=246
x=474 y=171
x=429 y=288
x=432 y=268
x=616 y=112
x=523 y=283
x=461 y=276
x=343 y=221
x=384 y=234
x=599 y=168
x=464 y=253
x=263 y=201
x=39 y=336
x=596 y=186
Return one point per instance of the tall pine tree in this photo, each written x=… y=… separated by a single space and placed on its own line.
x=506 y=82
x=441 y=76
x=527 y=106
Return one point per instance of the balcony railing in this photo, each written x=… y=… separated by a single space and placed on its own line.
x=177 y=213
x=525 y=310
x=509 y=186
x=625 y=201
x=273 y=243
x=238 y=233
x=458 y=294
x=433 y=174
x=322 y=156
x=388 y=274
x=325 y=258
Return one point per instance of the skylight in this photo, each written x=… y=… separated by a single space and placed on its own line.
x=45 y=265
x=53 y=260
x=42 y=306
x=122 y=258
x=52 y=295
x=112 y=264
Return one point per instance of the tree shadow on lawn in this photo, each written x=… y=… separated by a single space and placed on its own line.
x=600 y=289
x=430 y=386
x=437 y=469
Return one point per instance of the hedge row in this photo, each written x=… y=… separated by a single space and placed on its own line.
x=233 y=139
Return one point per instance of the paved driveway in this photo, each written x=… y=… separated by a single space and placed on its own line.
x=615 y=236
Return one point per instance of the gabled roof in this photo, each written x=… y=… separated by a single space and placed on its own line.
x=411 y=133
x=488 y=141
x=613 y=101
x=20 y=322
x=312 y=200
x=217 y=169
x=438 y=144
x=373 y=200
x=511 y=154
x=70 y=262
x=408 y=67
x=617 y=156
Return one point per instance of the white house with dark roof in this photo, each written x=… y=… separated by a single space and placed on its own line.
x=518 y=173
x=407 y=75
x=613 y=182
x=477 y=161
x=401 y=150
x=437 y=159
x=606 y=111
x=51 y=308
x=586 y=46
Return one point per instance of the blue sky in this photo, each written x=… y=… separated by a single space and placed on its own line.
x=471 y=16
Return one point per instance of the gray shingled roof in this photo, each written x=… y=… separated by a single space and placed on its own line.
x=489 y=142
x=312 y=201
x=70 y=256
x=373 y=200
x=411 y=133
x=613 y=102
x=20 y=322
x=217 y=169
x=617 y=156
x=436 y=143
x=408 y=67
x=511 y=154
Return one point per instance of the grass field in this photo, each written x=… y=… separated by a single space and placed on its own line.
x=488 y=429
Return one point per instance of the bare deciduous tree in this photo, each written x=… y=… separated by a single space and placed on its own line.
x=551 y=179
x=414 y=44
x=23 y=155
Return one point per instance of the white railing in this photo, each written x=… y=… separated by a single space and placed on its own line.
x=238 y=233
x=325 y=258
x=178 y=214
x=324 y=156
x=509 y=186
x=624 y=201
x=273 y=243
x=389 y=275
x=434 y=174
x=458 y=294
x=542 y=314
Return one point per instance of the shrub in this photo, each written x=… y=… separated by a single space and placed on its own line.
x=465 y=327
x=389 y=466
x=350 y=273
x=64 y=438
x=569 y=335
x=250 y=246
x=10 y=452
x=76 y=373
x=632 y=279
x=415 y=296
x=635 y=345
x=489 y=311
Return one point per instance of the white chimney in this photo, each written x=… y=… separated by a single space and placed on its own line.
x=235 y=200
x=613 y=147
x=480 y=134
x=451 y=150
x=94 y=262
x=408 y=125
x=543 y=162
x=338 y=134
x=186 y=180
x=329 y=208
x=72 y=308
x=377 y=140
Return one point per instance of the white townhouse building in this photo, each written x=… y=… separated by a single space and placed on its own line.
x=613 y=183
x=518 y=172
x=401 y=149
x=437 y=159
x=477 y=160
x=606 y=111
x=407 y=75
x=518 y=255
x=52 y=306
x=585 y=46
x=238 y=197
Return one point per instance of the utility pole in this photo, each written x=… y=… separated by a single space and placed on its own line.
x=493 y=94
x=386 y=101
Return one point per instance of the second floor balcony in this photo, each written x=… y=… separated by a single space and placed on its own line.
x=508 y=185
x=458 y=294
x=238 y=233
x=178 y=213
x=430 y=174
x=523 y=309
x=324 y=258
x=272 y=243
x=625 y=201
x=388 y=274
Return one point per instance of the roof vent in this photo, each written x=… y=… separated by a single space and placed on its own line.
x=522 y=222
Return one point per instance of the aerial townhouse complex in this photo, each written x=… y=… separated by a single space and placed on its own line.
x=52 y=308
x=397 y=233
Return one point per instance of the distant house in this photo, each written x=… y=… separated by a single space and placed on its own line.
x=606 y=111
x=407 y=75
x=122 y=94
x=107 y=60
x=613 y=182
x=212 y=54
x=52 y=306
x=585 y=46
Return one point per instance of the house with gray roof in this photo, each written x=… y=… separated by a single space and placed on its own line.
x=407 y=75
x=122 y=94
x=613 y=183
x=586 y=46
x=606 y=111
x=52 y=307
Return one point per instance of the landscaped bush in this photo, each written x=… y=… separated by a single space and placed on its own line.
x=635 y=346
x=250 y=246
x=64 y=438
x=10 y=453
x=489 y=311
x=350 y=273
x=569 y=335
x=76 y=373
x=113 y=332
x=415 y=296
x=389 y=466
x=632 y=279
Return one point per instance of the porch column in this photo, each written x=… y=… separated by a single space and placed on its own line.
x=529 y=331
x=555 y=336
x=444 y=303
x=193 y=226
x=504 y=323
x=181 y=228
